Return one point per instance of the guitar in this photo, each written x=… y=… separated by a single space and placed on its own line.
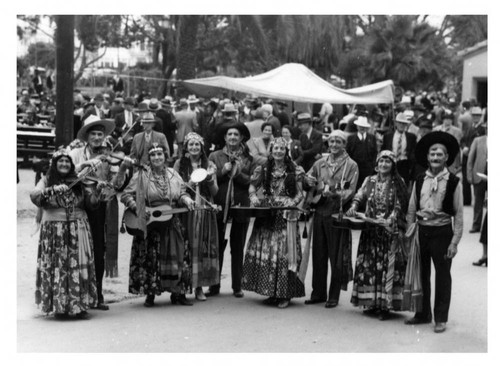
x=316 y=197
x=161 y=213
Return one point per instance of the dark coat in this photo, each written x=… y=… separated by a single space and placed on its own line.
x=310 y=148
x=364 y=153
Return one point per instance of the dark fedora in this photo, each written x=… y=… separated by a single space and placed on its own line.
x=222 y=129
x=436 y=137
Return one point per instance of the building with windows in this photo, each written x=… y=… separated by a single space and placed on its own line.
x=475 y=73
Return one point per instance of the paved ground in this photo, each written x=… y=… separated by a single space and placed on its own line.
x=227 y=324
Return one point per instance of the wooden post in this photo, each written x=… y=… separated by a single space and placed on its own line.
x=64 y=78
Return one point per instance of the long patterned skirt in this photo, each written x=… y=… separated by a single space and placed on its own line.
x=266 y=268
x=65 y=275
x=204 y=242
x=161 y=262
x=379 y=274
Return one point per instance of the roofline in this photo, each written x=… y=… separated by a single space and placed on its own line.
x=476 y=47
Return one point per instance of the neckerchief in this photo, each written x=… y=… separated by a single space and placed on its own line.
x=444 y=174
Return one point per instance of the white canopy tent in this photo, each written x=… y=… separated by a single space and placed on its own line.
x=293 y=82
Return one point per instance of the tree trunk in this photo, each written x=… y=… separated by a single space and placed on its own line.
x=64 y=78
x=186 y=55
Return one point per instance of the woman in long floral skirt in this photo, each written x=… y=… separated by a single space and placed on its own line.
x=273 y=253
x=65 y=276
x=160 y=255
x=380 y=265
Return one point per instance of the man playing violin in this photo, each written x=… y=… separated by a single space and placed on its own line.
x=337 y=174
x=89 y=157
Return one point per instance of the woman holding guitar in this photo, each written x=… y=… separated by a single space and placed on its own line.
x=201 y=225
x=160 y=257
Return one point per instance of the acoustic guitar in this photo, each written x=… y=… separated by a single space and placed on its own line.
x=161 y=213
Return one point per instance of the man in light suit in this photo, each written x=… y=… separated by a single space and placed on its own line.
x=477 y=163
x=311 y=141
x=403 y=144
x=144 y=140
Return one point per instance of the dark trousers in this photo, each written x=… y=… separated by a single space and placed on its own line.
x=479 y=194
x=434 y=242
x=237 y=238
x=327 y=247
x=97 y=219
x=466 y=189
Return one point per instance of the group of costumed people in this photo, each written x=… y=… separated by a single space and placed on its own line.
x=202 y=194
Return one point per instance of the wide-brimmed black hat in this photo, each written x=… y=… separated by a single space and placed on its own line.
x=436 y=137
x=221 y=130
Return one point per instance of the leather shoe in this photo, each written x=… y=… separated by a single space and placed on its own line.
x=200 y=296
x=439 y=327
x=383 y=315
x=331 y=304
x=83 y=315
x=150 y=301
x=238 y=293
x=271 y=301
x=480 y=262
x=101 y=306
x=313 y=301
x=415 y=321
x=212 y=291
x=473 y=231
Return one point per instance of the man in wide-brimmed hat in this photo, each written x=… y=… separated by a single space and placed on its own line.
x=362 y=148
x=93 y=134
x=234 y=169
x=402 y=143
x=436 y=206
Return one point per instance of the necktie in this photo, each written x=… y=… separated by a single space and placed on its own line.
x=148 y=137
x=399 y=150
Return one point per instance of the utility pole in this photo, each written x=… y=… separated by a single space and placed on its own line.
x=64 y=78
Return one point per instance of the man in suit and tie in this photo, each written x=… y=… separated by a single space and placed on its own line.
x=311 y=140
x=403 y=144
x=476 y=163
x=362 y=148
x=124 y=122
x=144 y=140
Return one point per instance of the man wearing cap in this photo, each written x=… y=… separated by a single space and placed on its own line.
x=168 y=126
x=96 y=109
x=402 y=144
x=335 y=178
x=474 y=130
x=87 y=157
x=311 y=140
x=476 y=163
x=127 y=126
x=362 y=148
x=436 y=206
x=447 y=126
x=186 y=122
x=143 y=141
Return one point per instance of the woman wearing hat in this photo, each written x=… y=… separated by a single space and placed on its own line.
x=201 y=225
x=160 y=256
x=234 y=169
x=380 y=265
x=273 y=254
x=436 y=208
x=65 y=276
